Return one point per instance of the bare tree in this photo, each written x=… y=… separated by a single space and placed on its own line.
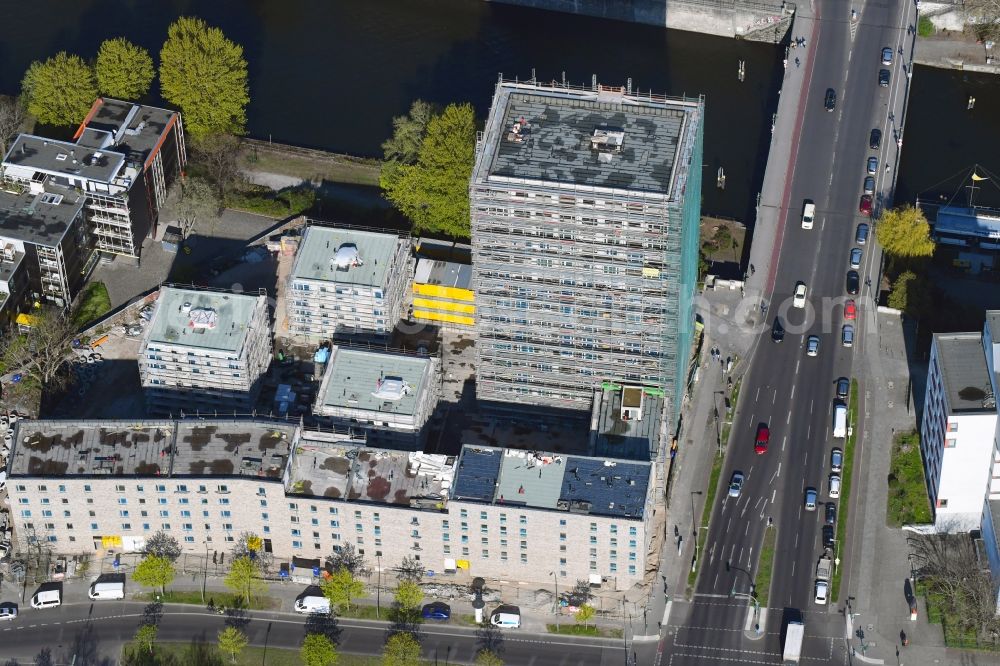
x=410 y=570
x=219 y=154
x=346 y=557
x=161 y=544
x=12 y=117
x=40 y=353
x=984 y=15
x=197 y=201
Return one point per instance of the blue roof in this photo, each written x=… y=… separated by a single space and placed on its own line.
x=967 y=222
x=478 y=471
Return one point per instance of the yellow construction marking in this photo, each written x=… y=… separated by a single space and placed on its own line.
x=442 y=305
x=441 y=316
x=453 y=293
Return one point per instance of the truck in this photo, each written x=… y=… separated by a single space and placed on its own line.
x=823 y=580
x=794 y=633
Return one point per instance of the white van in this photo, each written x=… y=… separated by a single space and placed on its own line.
x=310 y=604
x=840 y=421
x=808 y=214
x=46 y=599
x=107 y=590
x=506 y=616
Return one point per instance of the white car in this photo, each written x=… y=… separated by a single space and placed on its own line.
x=834 y=486
x=8 y=612
x=822 y=587
x=799 y=297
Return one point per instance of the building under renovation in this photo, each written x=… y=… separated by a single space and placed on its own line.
x=585 y=208
x=205 y=351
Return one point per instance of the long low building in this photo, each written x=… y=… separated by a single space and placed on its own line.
x=80 y=487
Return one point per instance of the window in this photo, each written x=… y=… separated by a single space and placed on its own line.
x=631 y=569
x=631 y=531
x=226 y=514
x=942 y=503
x=482 y=515
x=445 y=537
x=86 y=488
x=523 y=532
x=123 y=514
x=614 y=567
x=486 y=554
x=484 y=529
x=562 y=536
x=524 y=558
x=26 y=514
x=593 y=539
x=122 y=500
x=187 y=527
x=62 y=489
x=950 y=442
x=503 y=555
x=334 y=523
x=503 y=517
x=161 y=489
x=613 y=529
x=593 y=527
x=165 y=526
x=162 y=500
x=562 y=522
x=952 y=426
x=296 y=544
x=523 y=520
x=164 y=514
x=93 y=526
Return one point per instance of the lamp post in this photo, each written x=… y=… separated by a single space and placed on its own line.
x=204 y=579
x=378 y=585
x=694 y=531
x=555 y=578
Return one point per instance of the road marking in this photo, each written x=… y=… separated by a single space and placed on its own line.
x=729 y=524
x=747 y=530
x=774 y=399
x=811 y=406
x=750 y=556
x=788 y=419
x=757 y=397
x=809 y=429
x=807 y=458
x=793 y=565
x=797 y=537
x=772 y=495
x=793 y=392
x=783 y=440
x=797 y=366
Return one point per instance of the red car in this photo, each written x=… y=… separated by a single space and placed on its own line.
x=865 y=207
x=850 y=310
x=763 y=437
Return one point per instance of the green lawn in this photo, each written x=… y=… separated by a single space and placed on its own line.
x=845 y=487
x=94 y=303
x=571 y=629
x=226 y=599
x=333 y=168
x=706 y=514
x=765 y=566
x=908 y=503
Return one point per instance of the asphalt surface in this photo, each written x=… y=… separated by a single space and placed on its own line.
x=791 y=393
x=94 y=633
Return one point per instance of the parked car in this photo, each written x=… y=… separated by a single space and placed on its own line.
x=831 y=513
x=836 y=460
x=853 y=282
x=799 y=297
x=872 y=166
x=736 y=484
x=8 y=612
x=834 y=486
x=875 y=139
x=828 y=538
x=856 y=254
x=810 y=502
x=887 y=56
x=883 y=78
x=830 y=101
x=861 y=235
x=843 y=388
x=847 y=335
x=777 y=330
x=865 y=205
x=812 y=346
x=436 y=610
x=850 y=310
x=762 y=439
x=869 y=185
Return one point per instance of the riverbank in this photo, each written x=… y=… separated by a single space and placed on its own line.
x=306 y=165
x=949 y=49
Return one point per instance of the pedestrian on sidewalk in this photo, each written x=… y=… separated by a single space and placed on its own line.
x=797 y=63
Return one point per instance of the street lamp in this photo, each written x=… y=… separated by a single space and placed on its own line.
x=694 y=532
x=556 y=579
x=204 y=580
x=378 y=584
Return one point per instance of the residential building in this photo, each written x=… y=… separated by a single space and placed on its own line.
x=585 y=206
x=347 y=282
x=205 y=351
x=389 y=396
x=122 y=159
x=627 y=422
x=970 y=237
x=990 y=524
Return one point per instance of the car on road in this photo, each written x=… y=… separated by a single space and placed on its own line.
x=736 y=484
x=883 y=78
x=869 y=185
x=850 y=309
x=865 y=205
x=836 y=460
x=834 y=486
x=830 y=516
x=828 y=539
x=799 y=296
x=810 y=504
x=875 y=139
x=830 y=101
x=762 y=439
x=8 y=612
x=853 y=282
x=843 y=388
x=808 y=213
x=861 y=235
x=436 y=610
x=847 y=335
x=777 y=330
x=812 y=345
x=856 y=254
x=872 y=166
x=887 y=56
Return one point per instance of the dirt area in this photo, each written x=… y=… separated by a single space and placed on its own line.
x=956 y=50
x=307 y=164
x=722 y=240
x=106 y=384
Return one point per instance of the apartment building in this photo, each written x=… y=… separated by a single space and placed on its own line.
x=347 y=282
x=389 y=396
x=205 y=351
x=122 y=159
x=990 y=523
x=78 y=487
x=585 y=206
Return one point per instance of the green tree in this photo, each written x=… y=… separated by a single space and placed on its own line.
x=402 y=649
x=154 y=571
x=232 y=641
x=60 y=90
x=123 y=69
x=342 y=587
x=198 y=200
x=244 y=578
x=318 y=650
x=585 y=614
x=219 y=154
x=925 y=26
x=145 y=637
x=487 y=657
x=408 y=598
x=408 y=133
x=434 y=192
x=204 y=74
x=904 y=232
x=911 y=294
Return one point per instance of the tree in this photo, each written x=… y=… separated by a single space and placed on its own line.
x=161 y=544
x=39 y=354
x=12 y=117
x=204 y=74
x=197 y=201
x=434 y=192
x=220 y=155
x=984 y=15
x=154 y=571
x=341 y=587
x=488 y=658
x=411 y=570
x=60 y=90
x=251 y=545
x=904 y=232
x=911 y=294
x=244 y=578
x=407 y=601
x=402 y=649
x=318 y=650
x=123 y=69
x=585 y=614
x=145 y=637
x=232 y=641
x=346 y=557
x=408 y=133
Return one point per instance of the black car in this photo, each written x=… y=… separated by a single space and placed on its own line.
x=883 y=78
x=831 y=99
x=843 y=388
x=853 y=282
x=875 y=140
x=831 y=513
x=828 y=540
x=777 y=330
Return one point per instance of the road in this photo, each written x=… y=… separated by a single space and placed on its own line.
x=94 y=633
x=790 y=392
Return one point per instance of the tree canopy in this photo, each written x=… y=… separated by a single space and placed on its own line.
x=220 y=155
x=232 y=641
x=40 y=353
x=434 y=191
x=342 y=587
x=911 y=293
x=145 y=637
x=488 y=658
x=198 y=200
x=154 y=571
x=318 y=650
x=204 y=74
x=347 y=557
x=123 y=69
x=904 y=232
x=60 y=90
x=402 y=649
x=244 y=577
x=162 y=544
x=408 y=133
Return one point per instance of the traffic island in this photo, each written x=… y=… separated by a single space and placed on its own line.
x=845 y=488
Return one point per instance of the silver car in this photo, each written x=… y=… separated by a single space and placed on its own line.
x=836 y=460
x=856 y=254
x=812 y=346
x=847 y=335
x=872 y=166
x=811 y=499
x=870 y=185
x=861 y=237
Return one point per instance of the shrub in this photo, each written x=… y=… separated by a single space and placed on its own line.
x=925 y=27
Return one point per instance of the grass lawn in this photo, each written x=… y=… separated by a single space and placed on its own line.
x=310 y=166
x=575 y=630
x=706 y=514
x=845 y=486
x=765 y=567
x=254 y=656
x=908 y=503
x=226 y=599
x=94 y=302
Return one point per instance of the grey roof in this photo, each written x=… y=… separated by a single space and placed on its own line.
x=556 y=129
x=444 y=273
x=9 y=268
x=171 y=322
x=635 y=439
x=137 y=133
x=526 y=479
x=966 y=222
x=320 y=244
x=26 y=218
x=993 y=323
x=352 y=375
x=964 y=372
x=64 y=158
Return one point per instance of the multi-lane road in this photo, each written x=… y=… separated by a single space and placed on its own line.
x=785 y=388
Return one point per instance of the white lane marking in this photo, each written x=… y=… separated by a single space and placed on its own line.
x=774 y=399
x=772 y=495
x=750 y=556
x=811 y=406
x=793 y=392
x=783 y=440
x=809 y=430
x=788 y=419
x=747 y=530
x=797 y=366
x=757 y=397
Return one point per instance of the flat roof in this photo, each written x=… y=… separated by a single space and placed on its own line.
x=174 y=324
x=993 y=323
x=417 y=480
x=64 y=158
x=595 y=486
x=964 y=372
x=967 y=222
x=640 y=139
x=154 y=448
x=32 y=218
x=444 y=273
x=137 y=128
x=632 y=439
x=8 y=268
x=319 y=245
x=353 y=376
